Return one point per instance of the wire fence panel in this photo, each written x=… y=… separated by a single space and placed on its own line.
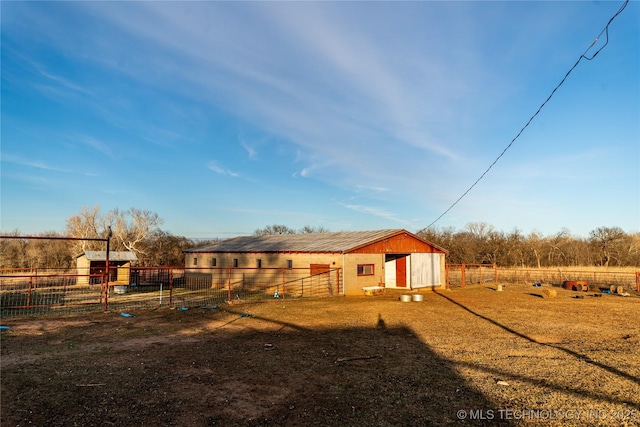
x=460 y=275
x=37 y=292
x=596 y=278
x=152 y=287
x=47 y=293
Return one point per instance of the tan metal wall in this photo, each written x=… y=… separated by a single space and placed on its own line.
x=352 y=283
x=269 y=260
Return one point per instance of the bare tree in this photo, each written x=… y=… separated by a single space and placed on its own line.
x=274 y=229
x=606 y=239
x=163 y=248
x=133 y=226
x=307 y=229
x=130 y=228
x=86 y=223
x=13 y=252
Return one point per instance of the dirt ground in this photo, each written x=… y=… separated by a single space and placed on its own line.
x=471 y=356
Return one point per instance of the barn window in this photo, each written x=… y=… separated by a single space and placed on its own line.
x=235 y=262
x=365 y=269
x=258 y=263
x=289 y=264
x=195 y=260
x=214 y=262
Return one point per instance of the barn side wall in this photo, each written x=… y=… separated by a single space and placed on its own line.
x=353 y=283
x=269 y=259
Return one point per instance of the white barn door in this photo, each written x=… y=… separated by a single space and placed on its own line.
x=425 y=270
x=390 y=274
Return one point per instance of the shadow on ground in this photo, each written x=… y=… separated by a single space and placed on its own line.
x=252 y=376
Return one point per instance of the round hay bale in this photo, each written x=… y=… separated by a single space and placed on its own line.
x=549 y=293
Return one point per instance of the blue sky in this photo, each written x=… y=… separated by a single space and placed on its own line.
x=225 y=117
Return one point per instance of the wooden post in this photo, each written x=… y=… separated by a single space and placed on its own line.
x=446 y=276
x=495 y=273
x=462 y=275
x=638 y=281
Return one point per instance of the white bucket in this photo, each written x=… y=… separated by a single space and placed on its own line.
x=417 y=297
x=119 y=289
x=405 y=298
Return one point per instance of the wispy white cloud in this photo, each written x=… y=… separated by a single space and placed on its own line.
x=97 y=145
x=31 y=163
x=396 y=105
x=59 y=80
x=374 y=211
x=251 y=151
x=213 y=166
x=325 y=87
x=369 y=189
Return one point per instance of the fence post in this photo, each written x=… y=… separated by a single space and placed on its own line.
x=229 y=284
x=638 y=281
x=446 y=276
x=462 y=275
x=171 y=287
x=283 y=285
x=29 y=292
x=283 y=290
x=495 y=273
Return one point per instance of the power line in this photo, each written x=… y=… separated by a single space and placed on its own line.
x=605 y=31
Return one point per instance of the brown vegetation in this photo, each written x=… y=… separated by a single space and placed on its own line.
x=480 y=243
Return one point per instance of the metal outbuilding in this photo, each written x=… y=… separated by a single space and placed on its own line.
x=94 y=263
x=393 y=258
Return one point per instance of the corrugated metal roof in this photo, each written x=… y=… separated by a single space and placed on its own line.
x=310 y=242
x=113 y=256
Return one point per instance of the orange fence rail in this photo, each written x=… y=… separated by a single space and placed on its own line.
x=42 y=291
x=461 y=275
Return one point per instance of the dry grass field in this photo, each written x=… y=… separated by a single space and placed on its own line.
x=472 y=356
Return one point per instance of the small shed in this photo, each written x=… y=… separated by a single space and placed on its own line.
x=91 y=263
x=393 y=258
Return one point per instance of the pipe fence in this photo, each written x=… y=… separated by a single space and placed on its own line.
x=461 y=275
x=25 y=292
x=37 y=292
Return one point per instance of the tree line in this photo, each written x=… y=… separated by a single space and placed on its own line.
x=139 y=231
x=134 y=230
x=480 y=243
